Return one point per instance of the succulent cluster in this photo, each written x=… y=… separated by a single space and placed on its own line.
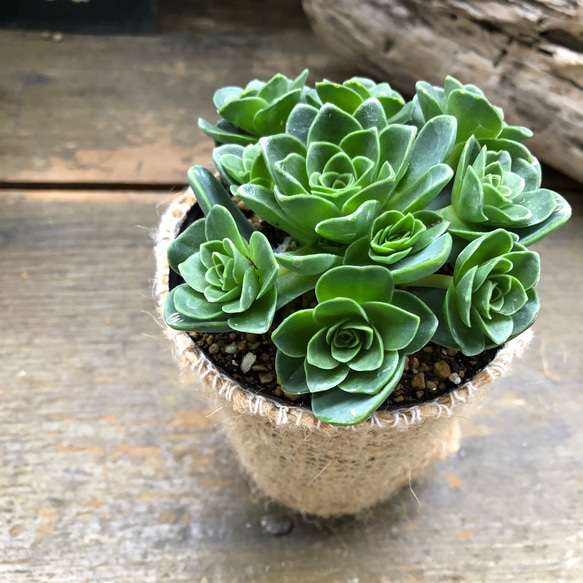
x=411 y=220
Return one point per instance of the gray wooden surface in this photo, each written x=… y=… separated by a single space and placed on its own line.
x=110 y=468
x=111 y=471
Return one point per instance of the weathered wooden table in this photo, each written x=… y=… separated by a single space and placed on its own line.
x=110 y=469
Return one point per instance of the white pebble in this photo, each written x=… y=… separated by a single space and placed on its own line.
x=454 y=377
x=247 y=362
x=231 y=348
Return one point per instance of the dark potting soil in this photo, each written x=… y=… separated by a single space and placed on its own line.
x=249 y=359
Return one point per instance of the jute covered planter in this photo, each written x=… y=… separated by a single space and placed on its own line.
x=310 y=466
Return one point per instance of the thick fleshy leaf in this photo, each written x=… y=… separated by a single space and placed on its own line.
x=272 y=118
x=526 y=316
x=418 y=195
x=186 y=244
x=193 y=272
x=258 y=318
x=292 y=285
x=498 y=328
x=424 y=262
x=278 y=148
x=427 y=320
x=362 y=284
x=194 y=305
x=220 y=225
x=396 y=326
x=347 y=229
x=337 y=309
x=300 y=120
x=209 y=193
x=332 y=125
x=179 y=321
x=340 y=95
x=362 y=143
x=246 y=297
x=224 y=132
x=370 y=114
x=291 y=374
x=264 y=261
x=475 y=115
x=338 y=407
x=241 y=111
x=320 y=379
x=307 y=262
x=559 y=216
x=371 y=382
x=319 y=352
x=294 y=333
x=396 y=142
x=274 y=88
x=226 y=94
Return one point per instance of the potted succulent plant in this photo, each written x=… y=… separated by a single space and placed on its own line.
x=351 y=244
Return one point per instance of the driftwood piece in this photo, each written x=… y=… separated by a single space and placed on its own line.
x=527 y=55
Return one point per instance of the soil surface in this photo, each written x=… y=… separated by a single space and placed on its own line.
x=250 y=358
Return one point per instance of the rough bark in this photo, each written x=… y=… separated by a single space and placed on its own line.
x=527 y=55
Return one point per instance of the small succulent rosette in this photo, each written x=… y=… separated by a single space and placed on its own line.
x=411 y=221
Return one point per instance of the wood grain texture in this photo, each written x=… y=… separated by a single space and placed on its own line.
x=526 y=55
x=124 y=110
x=110 y=470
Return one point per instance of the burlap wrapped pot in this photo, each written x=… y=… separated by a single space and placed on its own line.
x=308 y=465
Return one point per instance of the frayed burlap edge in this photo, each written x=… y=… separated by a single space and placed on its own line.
x=304 y=463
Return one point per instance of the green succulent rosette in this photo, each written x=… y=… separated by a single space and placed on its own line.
x=410 y=245
x=362 y=97
x=490 y=298
x=492 y=189
x=475 y=116
x=349 y=351
x=259 y=109
x=242 y=165
x=230 y=283
x=332 y=187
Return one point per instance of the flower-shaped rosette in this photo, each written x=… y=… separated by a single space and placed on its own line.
x=358 y=92
x=241 y=165
x=475 y=115
x=335 y=186
x=491 y=297
x=349 y=351
x=260 y=109
x=411 y=245
x=492 y=189
x=230 y=283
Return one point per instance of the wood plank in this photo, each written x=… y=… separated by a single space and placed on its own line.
x=124 y=110
x=111 y=470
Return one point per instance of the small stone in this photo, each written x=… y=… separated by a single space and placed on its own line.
x=418 y=381
x=250 y=337
x=248 y=361
x=419 y=394
x=451 y=351
x=441 y=369
x=57 y=37
x=265 y=357
x=259 y=367
x=292 y=397
x=277 y=524
x=428 y=349
x=398 y=399
x=441 y=386
x=266 y=377
x=230 y=348
x=242 y=346
x=431 y=385
x=407 y=363
x=214 y=348
x=277 y=391
x=210 y=339
x=232 y=335
x=454 y=378
x=253 y=345
x=423 y=367
x=414 y=363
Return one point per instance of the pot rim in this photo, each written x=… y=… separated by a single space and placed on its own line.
x=245 y=401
